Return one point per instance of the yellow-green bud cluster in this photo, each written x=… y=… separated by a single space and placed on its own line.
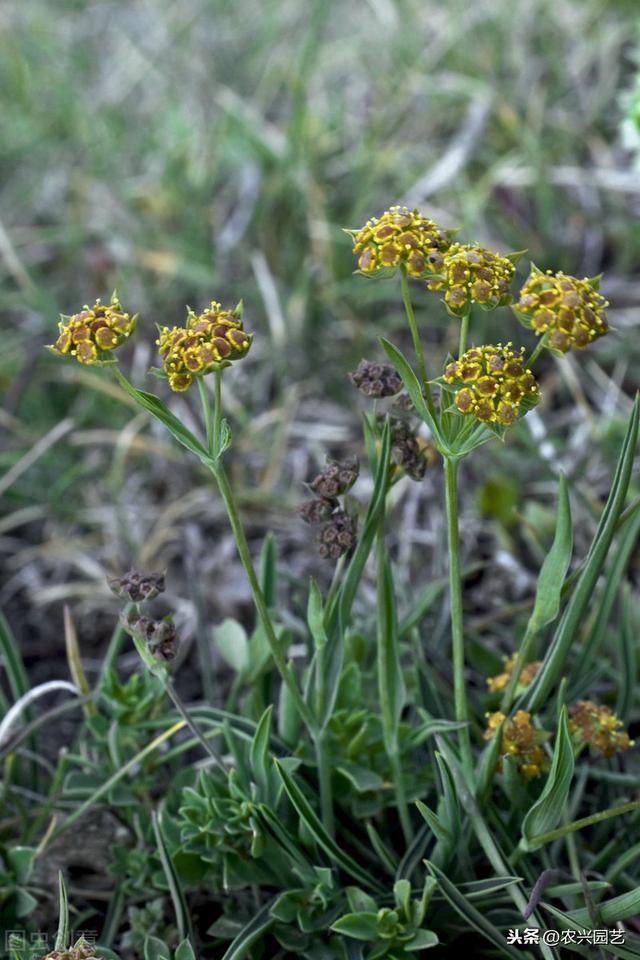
x=212 y=338
x=471 y=274
x=95 y=330
x=571 y=311
x=401 y=236
x=527 y=674
x=491 y=383
x=597 y=725
x=520 y=740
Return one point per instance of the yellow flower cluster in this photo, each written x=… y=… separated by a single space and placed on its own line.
x=527 y=675
x=94 y=330
x=520 y=740
x=598 y=726
x=400 y=236
x=212 y=338
x=471 y=274
x=491 y=383
x=570 y=310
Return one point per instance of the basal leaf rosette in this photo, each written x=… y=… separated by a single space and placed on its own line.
x=210 y=340
x=400 y=237
x=91 y=334
x=570 y=311
x=471 y=274
x=492 y=384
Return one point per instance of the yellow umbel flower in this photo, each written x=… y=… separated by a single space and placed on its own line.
x=526 y=677
x=520 y=740
x=598 y=726
x=571 y=311
x=210 y=339
x=471 y=274
x=492 y=383
x=400 y=236
x=95 y=330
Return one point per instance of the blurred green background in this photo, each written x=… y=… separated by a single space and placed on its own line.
x=197 y=149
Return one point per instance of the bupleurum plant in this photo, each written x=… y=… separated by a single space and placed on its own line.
x=369 y=799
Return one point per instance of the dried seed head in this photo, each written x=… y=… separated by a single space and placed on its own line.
x=409 y=451
x=527 y=675
x=471 y=274
x=337 y=536
x=159 y=635
x=520 y=740
x=376 y=379
x=138 y=587
x=491 y=383
x=94 y=331
x=400 y=236
x=571 y=311
x=336 y=478
x=210 y=339
x=317 y=510
x=596 y=725
x=81 y=950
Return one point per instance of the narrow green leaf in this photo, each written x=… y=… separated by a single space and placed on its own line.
x=178 y=900
x=315 y=616
x=320 y=835
x=157 y=409
x=555 y=566
x=259 y=752
x=440 y=831
x=470 y=915
x=252 y=931
x=567 y=921
x=12 y=661
x=571 y=620
x=62 y=936
x=548 y=809
x=414 y=390
x=390 y=680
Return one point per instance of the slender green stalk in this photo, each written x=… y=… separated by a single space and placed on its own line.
x=542 y=342
x=208 y=414
x=524 y=654
x=584 y=822
x=184 y=713
x=242 y=547
x=457 y=628
x=387 y=666
x=464 y=332
x=417 y=345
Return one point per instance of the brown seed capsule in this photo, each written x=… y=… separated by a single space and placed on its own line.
x=137 y=586
x=376 y=379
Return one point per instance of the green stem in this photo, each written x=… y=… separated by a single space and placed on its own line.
x=184 y=713
x=208 y=413
x=538 y=350
x=524 y=654
x=457 y=628
x=417 y=346
x=217 y=407
x=258 y=597
x=387 y=656
x=464 y=332
x=584 y=822
x=323 y=761
x=244 y=553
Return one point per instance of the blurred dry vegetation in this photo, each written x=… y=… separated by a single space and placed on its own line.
x=184 y=151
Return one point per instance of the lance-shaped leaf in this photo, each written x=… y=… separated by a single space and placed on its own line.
x=548 y=809
x=414 y=390
x=555 y=566
x=569 y=625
